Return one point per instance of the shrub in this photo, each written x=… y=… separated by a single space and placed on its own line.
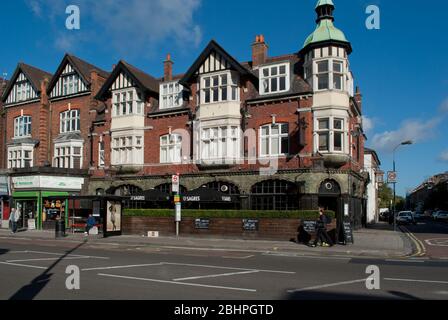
x=191 y=213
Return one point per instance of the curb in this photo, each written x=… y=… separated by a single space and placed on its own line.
x=418 y=247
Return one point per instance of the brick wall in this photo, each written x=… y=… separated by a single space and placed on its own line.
x=275 y=229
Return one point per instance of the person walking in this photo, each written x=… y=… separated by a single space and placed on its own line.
x=321 y=227
x=14 y=218
x=90 y=224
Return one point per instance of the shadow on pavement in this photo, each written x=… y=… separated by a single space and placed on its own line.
x=3 y=251
x=31 y=290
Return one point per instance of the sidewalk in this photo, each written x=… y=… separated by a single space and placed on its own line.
x=379 y=241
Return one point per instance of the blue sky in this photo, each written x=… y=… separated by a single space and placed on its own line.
x=401 y=69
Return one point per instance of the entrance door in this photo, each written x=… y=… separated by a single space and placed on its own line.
x=28 y=210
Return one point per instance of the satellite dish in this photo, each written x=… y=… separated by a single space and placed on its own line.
x=224 y=188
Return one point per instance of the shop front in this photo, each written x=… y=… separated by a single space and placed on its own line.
x=41 y=200
x=4 y=201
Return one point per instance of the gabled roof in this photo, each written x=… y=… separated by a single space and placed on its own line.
x=374 y=154
x=33 y=74
x=144 y=81
x=213 y=46
x=82 y=67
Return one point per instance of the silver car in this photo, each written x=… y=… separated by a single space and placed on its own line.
x=405 y=217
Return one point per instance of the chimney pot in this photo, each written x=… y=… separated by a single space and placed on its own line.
x=259 y=51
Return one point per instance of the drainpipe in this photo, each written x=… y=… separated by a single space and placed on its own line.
x=91 y=144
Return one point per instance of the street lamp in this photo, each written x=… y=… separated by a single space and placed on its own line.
x=404 y=143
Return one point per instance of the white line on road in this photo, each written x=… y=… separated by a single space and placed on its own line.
x=413 y=280
x=48 y=259
x=408 y=261
x=59 y=254
x=123 y=267
x=246 y=257
x=327 y=285
x=216 y=275
x=177 y=283
x=228 y=268
x=295 y=255
x=22 y=265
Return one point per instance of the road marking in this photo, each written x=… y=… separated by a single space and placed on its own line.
x=295 y=255
x=246 y=257
x=177 y=283
x=412 y=280
x=406 y=261
x=421 y=250
x=48 y=259
x=327 y=285
x=440 y=242
x=23 y=265
x=60 y=254
x=216 y=275
x=123 y=267
x=228 y=268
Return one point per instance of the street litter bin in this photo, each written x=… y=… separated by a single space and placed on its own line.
x=60 y=229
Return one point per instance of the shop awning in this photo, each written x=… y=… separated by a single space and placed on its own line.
x=208 y=195
x=150 y=195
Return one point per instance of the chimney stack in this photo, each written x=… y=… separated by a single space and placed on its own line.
x=259 y=51
x=358 y=97
x=168 y=68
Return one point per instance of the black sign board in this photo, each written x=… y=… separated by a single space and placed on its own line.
x=202 y=223
x=348 y=232
x=250 y=224
x=309 y=226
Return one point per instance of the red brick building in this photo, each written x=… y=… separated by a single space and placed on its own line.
x=273 y=133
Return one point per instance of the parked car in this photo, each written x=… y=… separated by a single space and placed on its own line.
x=419 y=216
x=442 y=216
x=384 y=216
x=435 y=214
x=405 y=217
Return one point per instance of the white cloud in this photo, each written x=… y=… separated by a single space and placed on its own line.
x=444 y=106
x=35 y=7
x=415 y=130
x=444 y=156
x=131 y=26
x=367 y=123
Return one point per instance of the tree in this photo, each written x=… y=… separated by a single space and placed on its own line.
x=386 y=196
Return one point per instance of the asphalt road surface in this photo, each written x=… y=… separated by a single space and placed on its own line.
x=36 y=269
x=433 y=236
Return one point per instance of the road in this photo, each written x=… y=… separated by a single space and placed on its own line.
x=36 y=269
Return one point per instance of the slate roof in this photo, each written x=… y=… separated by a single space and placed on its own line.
x=33 y=74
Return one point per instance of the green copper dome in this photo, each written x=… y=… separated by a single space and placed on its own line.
x=325 y=31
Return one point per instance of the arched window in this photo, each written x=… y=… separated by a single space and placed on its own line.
x=329 y=188
x=124 y=190
x=275 y=195
x=100 y=192
x=166 y=187
x=224 y=187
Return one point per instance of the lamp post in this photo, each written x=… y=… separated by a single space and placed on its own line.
x=404 y=143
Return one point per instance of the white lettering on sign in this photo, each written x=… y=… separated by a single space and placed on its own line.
x=191 y=198
x=138 y=198
x=227 y=199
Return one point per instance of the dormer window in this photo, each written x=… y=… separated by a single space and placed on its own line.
x=220 y=88
x=274 y=79
x=23 y=91
x=171 y=95
x=70 y=84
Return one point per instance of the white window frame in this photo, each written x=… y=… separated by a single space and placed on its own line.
x=22 y=126
x=70 y=118
x=331 y=131
x=171 y=147
x=101 y=154
x=126 y=102
x=270 y=136
x=17 y=159
x=208 y=85
x=127 y=149
x=266 y=73
x=65 y=152
x=331 y=72
x=220 y=142
x=171 y=95
x=70 y=84
x=23 y=91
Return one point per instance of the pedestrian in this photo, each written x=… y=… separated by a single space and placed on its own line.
x=90 y=224
x=11 y=220
x=321 y=228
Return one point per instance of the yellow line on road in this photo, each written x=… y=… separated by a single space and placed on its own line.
x=421 y=250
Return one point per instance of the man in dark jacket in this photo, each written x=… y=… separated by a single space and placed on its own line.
x=321 y=228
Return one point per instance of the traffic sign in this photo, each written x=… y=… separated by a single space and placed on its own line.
x=391 y=177
x=175 y=183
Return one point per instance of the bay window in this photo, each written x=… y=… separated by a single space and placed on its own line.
x=220 y=88
x=20 y=157
x=220 y=143
x=69 y=121
x=330 y=133
x=127 y=150
x=171 y=95
x=68 y=155
x=274 y=139
x=330 y=75
x=126 y=102
x=171 y=148
x=274 y=79
x=22 y=127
